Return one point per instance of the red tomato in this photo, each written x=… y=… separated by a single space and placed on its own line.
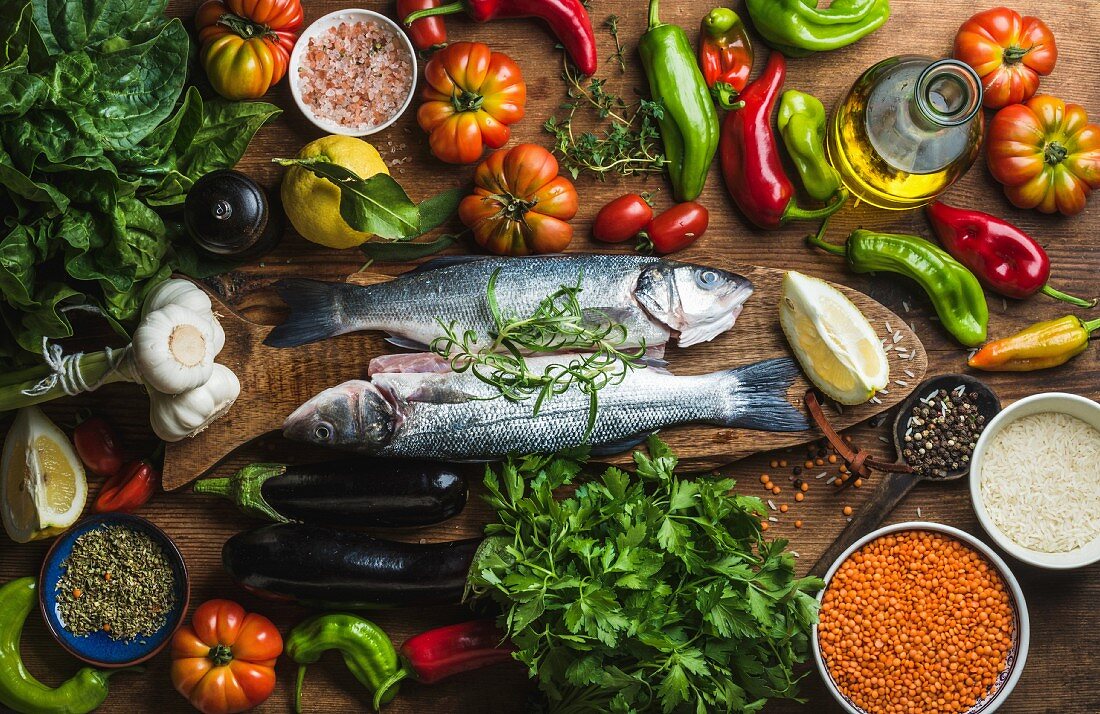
x=677 y=228
x=622 y=219
x=224 y=660
x=1008 y=52
x=97 y=446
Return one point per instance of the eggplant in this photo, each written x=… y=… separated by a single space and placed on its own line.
x=324 y=567
x=387 y=493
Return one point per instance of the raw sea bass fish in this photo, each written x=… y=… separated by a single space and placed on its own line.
x=651 y=297
x=439 y=414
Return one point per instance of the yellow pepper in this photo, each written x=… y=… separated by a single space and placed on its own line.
x=1043 y=345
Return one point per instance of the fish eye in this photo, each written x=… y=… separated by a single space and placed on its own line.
x=707 y=279
x=323 y=431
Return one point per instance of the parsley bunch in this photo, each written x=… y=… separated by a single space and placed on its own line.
x=643 y=592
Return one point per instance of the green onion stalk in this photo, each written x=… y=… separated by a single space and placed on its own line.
x=66 y=376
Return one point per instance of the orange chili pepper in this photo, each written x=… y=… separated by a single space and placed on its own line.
x=1043 y=345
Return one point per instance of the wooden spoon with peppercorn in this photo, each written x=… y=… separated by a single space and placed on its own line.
x=935 y=431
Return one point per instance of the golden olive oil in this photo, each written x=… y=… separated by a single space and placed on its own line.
x=908 y=129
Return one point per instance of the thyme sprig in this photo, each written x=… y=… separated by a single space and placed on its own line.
x=558 y=324
x=619 y=56
x=627 y=140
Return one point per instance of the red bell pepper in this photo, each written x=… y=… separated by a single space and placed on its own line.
x=437 y=654
x=97 y=447
x=427 y=34
x=725 y=55
x=129 y=489
x=751 y=163
x=568 y=20
x=1007 y=260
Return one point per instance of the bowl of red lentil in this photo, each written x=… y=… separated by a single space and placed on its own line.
x=353 y=72
x=921 y=617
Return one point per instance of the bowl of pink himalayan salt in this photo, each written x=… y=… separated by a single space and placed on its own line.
x=353 y=72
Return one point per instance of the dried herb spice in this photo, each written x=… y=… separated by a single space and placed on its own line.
x=117 y=580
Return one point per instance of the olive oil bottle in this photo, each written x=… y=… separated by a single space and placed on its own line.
x=908 y=129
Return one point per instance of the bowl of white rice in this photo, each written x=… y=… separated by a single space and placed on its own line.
x=1035 y=480
x=353 y=72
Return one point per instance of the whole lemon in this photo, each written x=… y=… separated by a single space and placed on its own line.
x=312 y=203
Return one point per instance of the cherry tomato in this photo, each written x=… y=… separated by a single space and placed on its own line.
x=622 y=219
x=97 y=447
x=677 y=228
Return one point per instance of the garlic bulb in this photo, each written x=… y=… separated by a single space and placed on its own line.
x=177 y=291
x=174 y=348
x=176 y=416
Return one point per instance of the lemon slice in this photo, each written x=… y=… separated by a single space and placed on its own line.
x=836 y=346
x=43 y=488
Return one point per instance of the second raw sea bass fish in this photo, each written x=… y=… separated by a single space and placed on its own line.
x=447 y=415
x=653 y=298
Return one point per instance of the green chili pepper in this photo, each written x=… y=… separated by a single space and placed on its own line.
x=799 y=28
x=19 y=690
x=689 y=126
x=367 y=650
x=802 y=121
x=955 y=292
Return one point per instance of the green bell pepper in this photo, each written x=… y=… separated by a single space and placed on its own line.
x=955 y=293
x=798 y=27
x=801 y=121
x=689 y=127
x=368 y=652
x=19 y=690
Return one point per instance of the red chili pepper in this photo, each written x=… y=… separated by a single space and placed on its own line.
x=622 y=219
x=725 y=55
x=676 y=228
x=446 y=651
x=97 y=446
x=751 y=163
x=129 y=489
x=568 y=20
x=1007 y=260
x=429 y=33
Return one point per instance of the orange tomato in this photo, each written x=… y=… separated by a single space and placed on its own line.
x=471 y=94
x=520 y=205
x=246 y=44
x=1046 y=154
x=1009 y=53
x=224 y=660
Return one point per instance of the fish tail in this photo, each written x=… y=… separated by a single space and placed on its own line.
x=758 y=396
x=316 y=312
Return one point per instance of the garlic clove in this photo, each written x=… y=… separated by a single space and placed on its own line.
x=177 y=416
x=174 y=349
x=176 y=291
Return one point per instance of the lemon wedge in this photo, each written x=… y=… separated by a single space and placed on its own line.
x=836 y=346
x=43 y=488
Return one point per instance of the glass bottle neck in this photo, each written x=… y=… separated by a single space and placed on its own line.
x=948 y=93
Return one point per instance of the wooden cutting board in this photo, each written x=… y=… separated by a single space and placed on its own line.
x=274 y=382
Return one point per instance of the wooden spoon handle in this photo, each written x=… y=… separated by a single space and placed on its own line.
x=891 y=488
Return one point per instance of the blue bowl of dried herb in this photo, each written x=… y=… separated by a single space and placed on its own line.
x=113 y=590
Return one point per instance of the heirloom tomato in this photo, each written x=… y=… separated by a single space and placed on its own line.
x=1009 y=53
x=1046 y=154
x=246 y=44
x=520 y=205
x=471 y=94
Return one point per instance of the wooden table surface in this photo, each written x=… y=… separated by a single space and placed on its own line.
x=1059 y=675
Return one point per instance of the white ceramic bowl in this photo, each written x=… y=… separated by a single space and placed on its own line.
x=1084 y=409
x=1021 y=635
x=319 y=26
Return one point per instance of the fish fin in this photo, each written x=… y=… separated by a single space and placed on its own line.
x=408 y=363
x=316 y=309
x=758 y=395
x=444 y=261
x=407 y=344
x=657 y=364
x=616 y=447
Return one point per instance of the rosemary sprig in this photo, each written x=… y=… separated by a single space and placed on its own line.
x=558 y=324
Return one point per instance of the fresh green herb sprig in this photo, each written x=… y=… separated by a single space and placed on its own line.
x=642 y=592
x=558 y=324
x=619 y=56
x=627 y=142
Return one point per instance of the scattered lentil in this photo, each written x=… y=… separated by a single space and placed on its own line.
x=847 y=510
x=798 y=524
x=799 y=496
x=783 y=508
